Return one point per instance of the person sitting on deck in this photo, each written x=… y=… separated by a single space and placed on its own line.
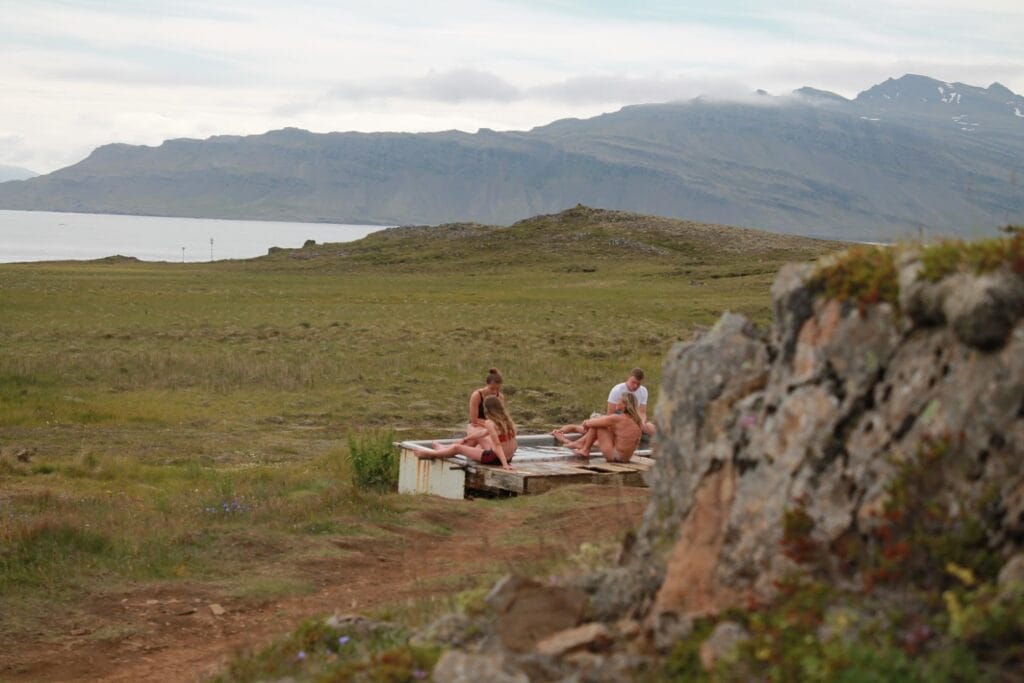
x=492 y=387
x=491 y=443
x=632 y=386
x=617 y=435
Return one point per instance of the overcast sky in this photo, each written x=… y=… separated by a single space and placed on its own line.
x=76 y=74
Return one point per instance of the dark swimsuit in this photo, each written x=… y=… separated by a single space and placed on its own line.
x=489 y=457
x=480 y=406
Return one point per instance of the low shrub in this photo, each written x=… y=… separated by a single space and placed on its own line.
x=374 y=460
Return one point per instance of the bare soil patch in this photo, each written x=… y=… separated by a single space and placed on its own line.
x=171 y=632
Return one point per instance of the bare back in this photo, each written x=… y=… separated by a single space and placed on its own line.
x=625 y=435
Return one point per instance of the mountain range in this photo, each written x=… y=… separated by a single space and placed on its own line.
x=906 y=155
x=15 y=173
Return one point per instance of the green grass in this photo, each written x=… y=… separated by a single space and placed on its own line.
x=867 y=275
x=189 y=421
x=980 y=256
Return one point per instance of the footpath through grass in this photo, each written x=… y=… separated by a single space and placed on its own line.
x=189 y=421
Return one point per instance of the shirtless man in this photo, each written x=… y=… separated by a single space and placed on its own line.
x=617 y=435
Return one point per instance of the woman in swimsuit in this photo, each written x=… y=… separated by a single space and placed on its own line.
x=491 y=443
x=492 y=387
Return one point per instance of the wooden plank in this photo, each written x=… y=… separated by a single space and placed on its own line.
x=538 y=467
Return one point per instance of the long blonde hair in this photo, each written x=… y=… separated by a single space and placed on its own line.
x=632 y=410
x=494 y=409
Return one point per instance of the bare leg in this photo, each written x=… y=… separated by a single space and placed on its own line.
x=438 y=451
x=582 y=447
x=471 y=451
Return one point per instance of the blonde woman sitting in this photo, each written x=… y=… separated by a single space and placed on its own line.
x=491 y=443
x=617 y=435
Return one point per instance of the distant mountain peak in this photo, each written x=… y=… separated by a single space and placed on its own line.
x=809 y=93
x=916 y=94
x=1001 y=90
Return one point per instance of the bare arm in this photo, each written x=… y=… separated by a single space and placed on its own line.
x=642 y=411
x=604 y=421
x=611 y=409
x=474 y=408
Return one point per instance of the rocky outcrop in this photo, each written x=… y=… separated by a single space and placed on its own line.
x=871 y=447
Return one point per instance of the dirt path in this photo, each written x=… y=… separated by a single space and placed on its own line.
x=170 y=633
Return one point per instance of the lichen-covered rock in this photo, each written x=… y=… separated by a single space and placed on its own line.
x=722 y=643
x=870 y=446
x=981 y=310
x=818 y=440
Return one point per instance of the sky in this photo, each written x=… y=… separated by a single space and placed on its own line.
x=77 y=74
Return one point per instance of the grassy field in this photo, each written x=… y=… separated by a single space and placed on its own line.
x=187 y=422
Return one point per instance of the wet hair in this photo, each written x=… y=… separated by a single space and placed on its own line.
x=494 y=409
x=494 y=377
x=631 y=409
x=638 y=373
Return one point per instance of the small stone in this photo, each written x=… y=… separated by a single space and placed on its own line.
x=461 y=667
x=1011 y=576
x=722 y=642
x=586 y=660
x=186 y=611
x=79 y=631
x=152 y=602
x=593 y=636
x=217 y=610
x=628 y=628
x=668 y=628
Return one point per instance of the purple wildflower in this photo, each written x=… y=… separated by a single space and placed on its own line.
x=301 y=656
x=419 y=674
x=343 y=640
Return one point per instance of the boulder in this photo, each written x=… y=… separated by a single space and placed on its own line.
x=528 y=611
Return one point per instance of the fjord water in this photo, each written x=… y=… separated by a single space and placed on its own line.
x=50 y=236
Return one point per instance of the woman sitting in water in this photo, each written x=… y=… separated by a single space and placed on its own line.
x=492 y=387
x=491 y=443
x=616 y=435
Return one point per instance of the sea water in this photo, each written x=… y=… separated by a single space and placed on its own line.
x=51 y=236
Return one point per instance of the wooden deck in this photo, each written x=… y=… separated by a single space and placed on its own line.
x=539 y=465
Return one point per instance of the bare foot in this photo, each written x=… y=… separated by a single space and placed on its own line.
x=560 y=437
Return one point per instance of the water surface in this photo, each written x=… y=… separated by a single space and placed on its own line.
x=51 y=236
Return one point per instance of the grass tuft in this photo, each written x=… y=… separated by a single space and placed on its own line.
x=374 y=460
x=863 y=275
x=980 y=256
